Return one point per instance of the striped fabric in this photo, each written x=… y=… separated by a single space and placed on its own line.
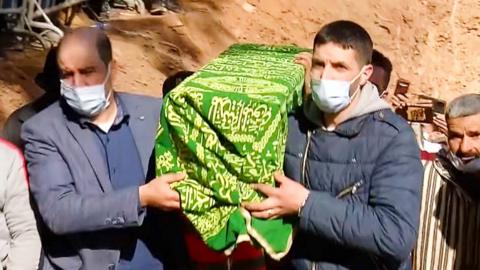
x=449 y=233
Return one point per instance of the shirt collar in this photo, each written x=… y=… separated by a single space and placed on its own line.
x=121 y=117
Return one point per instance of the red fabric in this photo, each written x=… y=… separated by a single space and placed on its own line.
x=427 y=156
x=200 y=252
x=201 y=255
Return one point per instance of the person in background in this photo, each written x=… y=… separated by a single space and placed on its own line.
x=172 y=81
x=49 y=81
x=449 y=233
x=382 y=69
x=19 y=239
x=429 y=138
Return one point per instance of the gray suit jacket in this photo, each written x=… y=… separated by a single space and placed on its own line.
x=69 y=181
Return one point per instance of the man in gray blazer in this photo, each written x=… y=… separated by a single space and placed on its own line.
x=89 y=156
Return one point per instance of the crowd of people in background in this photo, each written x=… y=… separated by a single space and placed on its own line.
x=369 y=190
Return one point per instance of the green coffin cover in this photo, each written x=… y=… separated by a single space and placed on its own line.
x=226 y=127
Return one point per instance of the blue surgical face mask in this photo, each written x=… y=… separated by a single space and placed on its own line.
x=86 y=100
x=332 y=96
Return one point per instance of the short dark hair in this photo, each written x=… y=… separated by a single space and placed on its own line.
x=100 y=38
x=348 y=35
x=49 y=78
x=380 y=60
x=174 y=80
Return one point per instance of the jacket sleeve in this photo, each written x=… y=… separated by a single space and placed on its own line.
x=24 y=252
x=386 y=226
x=62 y=208
x=11 y=130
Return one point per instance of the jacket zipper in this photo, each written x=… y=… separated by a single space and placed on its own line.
x=349 y=190
x=304 y=179
x=304 y=163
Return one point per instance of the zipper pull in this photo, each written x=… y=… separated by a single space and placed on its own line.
x=350 y=190
x=356 y=186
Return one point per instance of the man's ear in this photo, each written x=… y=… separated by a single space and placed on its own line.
x=113 y=69
x=113 y=73
x=366 y=74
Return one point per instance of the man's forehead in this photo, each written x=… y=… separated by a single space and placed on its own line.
x=335 y=52
x=78 y=52
x=471 y=122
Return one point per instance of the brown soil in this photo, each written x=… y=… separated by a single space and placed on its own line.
x=431 y=43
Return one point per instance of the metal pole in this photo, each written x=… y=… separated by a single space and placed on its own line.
x=56 y=8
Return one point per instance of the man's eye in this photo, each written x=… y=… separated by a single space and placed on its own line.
x=454 y=137
x=65 y=75
x=318 y=64
x=86 y=72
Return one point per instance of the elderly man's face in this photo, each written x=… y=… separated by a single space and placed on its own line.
x=80 y=64
x=464 y=136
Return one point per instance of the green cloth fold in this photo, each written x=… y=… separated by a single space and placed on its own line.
x=226 y=126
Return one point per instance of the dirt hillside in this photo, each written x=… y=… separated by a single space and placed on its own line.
x=431 y=43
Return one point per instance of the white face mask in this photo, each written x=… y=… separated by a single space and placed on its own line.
x=332 y=96
x=86 y=100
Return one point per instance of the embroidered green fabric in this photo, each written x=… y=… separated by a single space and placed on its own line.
x=226 y=126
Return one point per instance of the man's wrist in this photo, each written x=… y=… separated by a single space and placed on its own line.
x=143 y=195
